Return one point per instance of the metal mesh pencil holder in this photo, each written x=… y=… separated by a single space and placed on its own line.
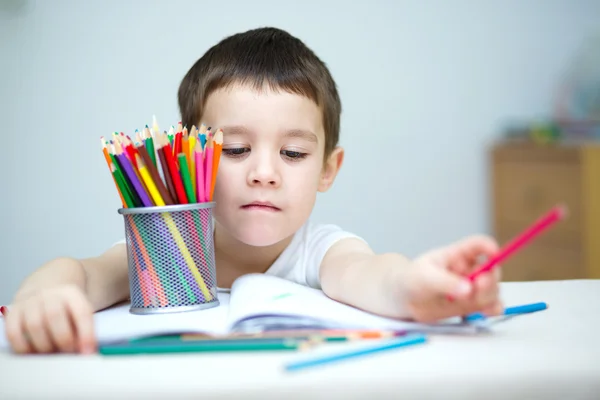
x=171 y=258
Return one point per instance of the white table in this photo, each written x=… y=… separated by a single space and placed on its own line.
x=550 y=354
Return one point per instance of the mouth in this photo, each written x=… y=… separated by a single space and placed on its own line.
x=261 y=205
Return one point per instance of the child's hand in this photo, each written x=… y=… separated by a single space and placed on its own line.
x=437 y=286
x=55 y=319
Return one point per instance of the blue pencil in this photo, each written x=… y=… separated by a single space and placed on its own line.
x=329 y=358
x=522 y=309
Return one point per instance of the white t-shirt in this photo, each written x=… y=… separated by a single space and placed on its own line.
x=300 y=262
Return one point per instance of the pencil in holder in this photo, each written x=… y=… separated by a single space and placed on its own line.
x=171 y=258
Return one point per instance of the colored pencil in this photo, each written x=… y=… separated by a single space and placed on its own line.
x=178 y=138
x=353 y=353
x=202 y=135
x=171 y=135
x=127 y=147
x=149 y=143
x=218 y=146
x=191 y=159
x=112 y=169
x=554 y=215
x=185 y=176
x=185 y=145
x=164 y=193
x=121 y=185
x=208 y=158
x=132 y=175
x=179 y=346
x=137 y=202
x=175 y=176
x=165 y=169
x=514 y=310
x=199 y=162
x=152 y=189
x=183 y=172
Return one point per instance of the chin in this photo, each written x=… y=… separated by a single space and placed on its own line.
x=260 y=235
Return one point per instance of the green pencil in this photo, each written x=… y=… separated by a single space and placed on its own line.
x=187 y=179
x=195 y=346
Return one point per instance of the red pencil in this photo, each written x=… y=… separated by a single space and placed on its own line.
x=174 y=171
x=4 y=311
x=556 y=214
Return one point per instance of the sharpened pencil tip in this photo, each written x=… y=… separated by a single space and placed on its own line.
x=563 y=211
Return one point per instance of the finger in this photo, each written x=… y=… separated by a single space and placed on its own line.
x=497 y=273
x=440 y=308
x=82 y=318
x=431 y=303
x=59 y=326
x=443 y=283
x=486 y=290
x=494 y=309
x=468 y=252
x=35 y=329
x=15 y=333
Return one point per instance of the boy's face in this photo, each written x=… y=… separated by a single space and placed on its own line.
x=271 y=167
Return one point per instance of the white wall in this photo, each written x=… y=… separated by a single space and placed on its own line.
x=424 y=89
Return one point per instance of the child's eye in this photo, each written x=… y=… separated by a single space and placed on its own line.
x=293 y=155
x=235 y=152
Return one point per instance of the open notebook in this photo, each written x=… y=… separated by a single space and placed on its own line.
x=257 y=303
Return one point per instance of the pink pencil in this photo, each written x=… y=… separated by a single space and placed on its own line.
x=556 y=214
x=209 y=149
x=199 y=160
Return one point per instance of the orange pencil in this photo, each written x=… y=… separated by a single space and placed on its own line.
x=185 y=145
x=218 y=146
x=111 y=167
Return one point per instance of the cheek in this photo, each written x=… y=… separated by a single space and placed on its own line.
x=226 y=179
x=304 y=178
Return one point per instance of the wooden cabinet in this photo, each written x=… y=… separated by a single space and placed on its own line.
x=528 y=180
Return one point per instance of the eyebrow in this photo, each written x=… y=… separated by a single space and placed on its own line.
x=292 y=133
x=302 y=134
x=235 y=130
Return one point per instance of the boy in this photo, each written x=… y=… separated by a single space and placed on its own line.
x=280 y=112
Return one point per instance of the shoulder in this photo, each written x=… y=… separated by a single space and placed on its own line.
x=322 y=235
x=316 y=242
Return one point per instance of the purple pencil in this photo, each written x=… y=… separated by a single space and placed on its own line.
x=137 y=184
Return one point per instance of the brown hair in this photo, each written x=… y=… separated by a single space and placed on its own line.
x=257 y=57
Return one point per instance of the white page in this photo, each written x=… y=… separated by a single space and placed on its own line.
x=118 y=323
x=259 y=294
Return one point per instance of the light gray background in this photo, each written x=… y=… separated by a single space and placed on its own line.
x=426 y=87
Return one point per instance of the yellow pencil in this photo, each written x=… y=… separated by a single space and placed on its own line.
x=158 y=200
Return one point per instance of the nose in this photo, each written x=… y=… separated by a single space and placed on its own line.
x=264 y=173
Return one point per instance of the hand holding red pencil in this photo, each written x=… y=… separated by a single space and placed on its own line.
x=430 y=278
x=449 y=281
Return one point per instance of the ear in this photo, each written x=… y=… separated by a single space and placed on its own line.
x=331 y=169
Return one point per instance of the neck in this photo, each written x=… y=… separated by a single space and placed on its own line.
x=235 y=258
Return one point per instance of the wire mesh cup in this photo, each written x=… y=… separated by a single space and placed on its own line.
x=171 y=258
